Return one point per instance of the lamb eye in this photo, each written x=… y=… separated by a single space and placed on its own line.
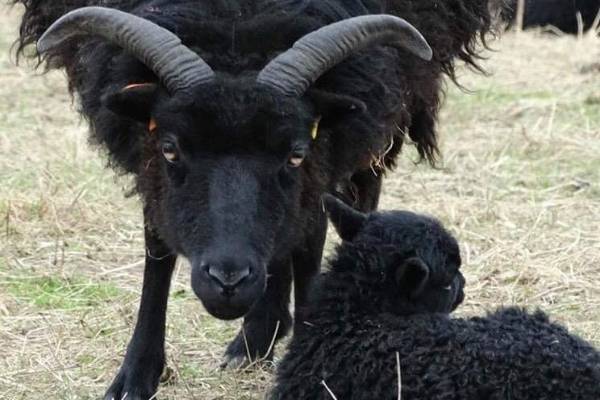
x=296 y=158
x=448 y=288
x=170 y=152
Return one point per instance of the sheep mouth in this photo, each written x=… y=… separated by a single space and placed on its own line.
x=460 y=297
x=226 y=312
x=227 y=303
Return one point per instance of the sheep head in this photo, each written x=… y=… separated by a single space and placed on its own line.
x=225 y=171
x=408 y=261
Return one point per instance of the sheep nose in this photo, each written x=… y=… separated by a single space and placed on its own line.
x=228 y=279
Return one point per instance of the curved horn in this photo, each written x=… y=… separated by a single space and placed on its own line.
x=295 y=70
x=176 y=66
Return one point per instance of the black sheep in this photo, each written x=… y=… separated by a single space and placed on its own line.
x=561 y=14
x=232 y=135
x=384 y=307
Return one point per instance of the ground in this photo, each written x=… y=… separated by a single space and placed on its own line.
x=519 y=186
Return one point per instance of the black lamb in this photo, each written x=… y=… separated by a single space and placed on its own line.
x=383 y=309
x=561 y=14
x=233 y=133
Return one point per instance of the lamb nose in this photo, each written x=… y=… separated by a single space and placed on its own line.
x=228 y=279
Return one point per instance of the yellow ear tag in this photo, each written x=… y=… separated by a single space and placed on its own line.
x=315 y=128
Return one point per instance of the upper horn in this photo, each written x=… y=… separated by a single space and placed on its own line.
x=295 y=70
x=177 y=67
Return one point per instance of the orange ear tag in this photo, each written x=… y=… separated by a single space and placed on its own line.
x=315 y=128
x=134 y=85
x=152 y=125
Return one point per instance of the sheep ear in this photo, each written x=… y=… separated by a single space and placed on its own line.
x=330 y=104
x=412 y=275
x=346 y=220
x=133 y=101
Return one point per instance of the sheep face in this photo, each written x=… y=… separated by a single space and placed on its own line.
x=403 y=263
x=227 y=166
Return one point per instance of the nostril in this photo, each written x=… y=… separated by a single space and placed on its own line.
x=236 y=278
x=214 y=273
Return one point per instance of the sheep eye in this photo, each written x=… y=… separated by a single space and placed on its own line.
x=448 y=288
x=296 y=158
x=170 y=152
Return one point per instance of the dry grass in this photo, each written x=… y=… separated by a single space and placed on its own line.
x=520 y=187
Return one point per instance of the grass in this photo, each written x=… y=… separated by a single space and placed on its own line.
x=59 y=293
x=519 y=186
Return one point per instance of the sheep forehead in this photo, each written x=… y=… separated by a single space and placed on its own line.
x=403 y=227
x=238 y=108
x=414 y=234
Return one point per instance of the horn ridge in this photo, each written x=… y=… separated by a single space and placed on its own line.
x=295 y=70
x=177 y=67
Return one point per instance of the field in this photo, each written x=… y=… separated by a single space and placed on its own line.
x=519 y=185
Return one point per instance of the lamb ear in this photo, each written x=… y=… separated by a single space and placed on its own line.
x=412 y=275
x=134 y=101
x=346 y=220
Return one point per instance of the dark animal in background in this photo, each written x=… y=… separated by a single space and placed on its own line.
x=392 y=284
x=561 y=14
x=233 y=135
